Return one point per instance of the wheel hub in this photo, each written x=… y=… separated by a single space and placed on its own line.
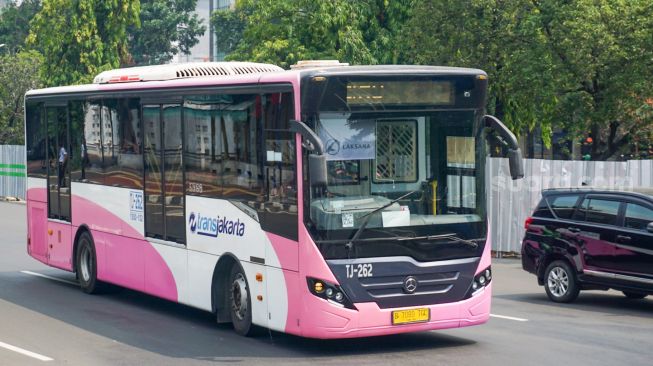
x=239 y=298
x=558 y=281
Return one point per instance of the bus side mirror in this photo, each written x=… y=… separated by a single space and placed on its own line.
x=649 y=227
x=316 y=159
x=515 y=159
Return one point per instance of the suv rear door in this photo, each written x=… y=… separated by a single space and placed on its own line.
x=594 y=230
x=634 y=244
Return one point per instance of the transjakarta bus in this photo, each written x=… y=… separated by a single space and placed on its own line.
x=325 y=201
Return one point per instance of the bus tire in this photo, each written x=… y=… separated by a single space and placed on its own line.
x=86 y=264
x=240 y=301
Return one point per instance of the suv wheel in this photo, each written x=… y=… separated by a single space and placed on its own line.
x=560 y=282
x=634 y=295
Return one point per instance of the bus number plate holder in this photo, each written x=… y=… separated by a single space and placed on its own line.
x=411 y=316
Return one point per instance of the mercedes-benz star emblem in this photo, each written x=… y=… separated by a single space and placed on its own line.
x=410 y=284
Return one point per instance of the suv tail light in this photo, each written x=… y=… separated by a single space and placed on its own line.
x=527 y=223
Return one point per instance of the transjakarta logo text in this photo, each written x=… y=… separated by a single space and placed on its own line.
x=212 y=226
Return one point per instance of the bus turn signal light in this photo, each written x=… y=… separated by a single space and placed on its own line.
x=318 y=287
x=259 y=277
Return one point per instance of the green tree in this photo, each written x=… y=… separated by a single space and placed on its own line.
x=168 y=27
x=80 y=38
x=18 y=74
x=286 y=31
x=14 y=24
x=577 y=66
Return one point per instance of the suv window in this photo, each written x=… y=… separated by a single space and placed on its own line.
x=599 y=211
x=637 y=216
x=563 y=206
x=542 y=210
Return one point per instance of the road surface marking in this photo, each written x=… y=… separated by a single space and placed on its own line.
x=509 y=318
x=25 y=352
x=50 y=277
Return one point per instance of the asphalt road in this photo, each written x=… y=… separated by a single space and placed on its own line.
x=60 y=325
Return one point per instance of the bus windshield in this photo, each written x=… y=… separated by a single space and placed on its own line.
x=430 y=164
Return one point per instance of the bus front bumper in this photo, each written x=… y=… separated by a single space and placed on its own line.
x=325 y=320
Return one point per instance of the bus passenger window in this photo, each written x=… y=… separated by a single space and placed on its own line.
x=203 y=145
x=238 y=129
x=123 y=156
x=91 y=143
x=35 y=145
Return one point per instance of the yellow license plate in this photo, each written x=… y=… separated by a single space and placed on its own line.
x=411 y=316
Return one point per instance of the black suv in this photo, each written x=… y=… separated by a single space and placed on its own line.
x=588 y=239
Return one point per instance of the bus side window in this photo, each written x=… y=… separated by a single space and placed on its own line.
x=279 y=210
x=35 y=145
x=203 y=145
x=86 y=138
x=123 y=156
x=238 y=130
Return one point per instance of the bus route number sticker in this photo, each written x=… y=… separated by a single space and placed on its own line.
x=360 y=270
x=347 y=220
x=136 y=206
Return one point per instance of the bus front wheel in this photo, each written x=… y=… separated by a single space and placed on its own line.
x=240 y=302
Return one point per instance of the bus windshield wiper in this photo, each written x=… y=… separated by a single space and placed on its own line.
x=367 y=216
x=452 y=237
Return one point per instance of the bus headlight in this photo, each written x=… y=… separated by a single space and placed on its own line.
x=480 y=281
x=329 y=292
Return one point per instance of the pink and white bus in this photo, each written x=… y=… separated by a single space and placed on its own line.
x=326 y=201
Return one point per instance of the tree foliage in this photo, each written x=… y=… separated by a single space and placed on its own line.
x=286 y=31
x=14 y=24
x=168 y=27
x=80 y=38
x=18 y=74
x=578 y=66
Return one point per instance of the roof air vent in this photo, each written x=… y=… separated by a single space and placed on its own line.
x=182 y=71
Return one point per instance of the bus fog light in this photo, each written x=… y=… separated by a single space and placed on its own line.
x=339 y=296
x=481 y=280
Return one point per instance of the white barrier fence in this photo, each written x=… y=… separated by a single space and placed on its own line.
x=12 y=171
x=510 y=202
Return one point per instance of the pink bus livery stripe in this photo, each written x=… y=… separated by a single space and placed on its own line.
x=129 y=257
x=132 y=258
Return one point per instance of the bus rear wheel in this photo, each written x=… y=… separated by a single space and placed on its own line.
x=240 y=302
x=86 y=264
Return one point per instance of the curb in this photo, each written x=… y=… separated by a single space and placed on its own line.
x=12 y=200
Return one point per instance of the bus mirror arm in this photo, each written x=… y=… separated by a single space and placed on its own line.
x=309 y=135
x=515 y=159
x=316 y=159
